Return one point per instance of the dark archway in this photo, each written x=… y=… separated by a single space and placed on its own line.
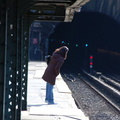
x=94 y=29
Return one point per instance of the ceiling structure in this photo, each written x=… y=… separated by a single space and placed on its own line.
x=52 y=10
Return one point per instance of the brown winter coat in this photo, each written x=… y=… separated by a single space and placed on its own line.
x=53 y=69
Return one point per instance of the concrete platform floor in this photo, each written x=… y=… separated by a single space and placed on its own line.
x=65 y=107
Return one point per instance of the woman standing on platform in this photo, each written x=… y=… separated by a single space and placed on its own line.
x=53 y=70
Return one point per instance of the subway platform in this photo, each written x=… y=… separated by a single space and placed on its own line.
x=64 y=107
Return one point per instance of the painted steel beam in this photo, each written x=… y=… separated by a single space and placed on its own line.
x=46 y=11
x=75 y=7
x=2 y=55
x=24 y=59
x=10 y=64
x=70 y=6
x=11 y=106
x=19 y=70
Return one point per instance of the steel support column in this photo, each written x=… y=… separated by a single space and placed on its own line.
x=12 y=73
x=10 y=61
x=19 y=69
x=2 y=55
x=25 y=44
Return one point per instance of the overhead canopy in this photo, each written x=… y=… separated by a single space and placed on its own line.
x=53 y=10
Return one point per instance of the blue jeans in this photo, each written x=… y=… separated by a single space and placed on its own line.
x=49 y=93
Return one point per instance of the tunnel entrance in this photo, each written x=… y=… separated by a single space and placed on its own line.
x=85 y=35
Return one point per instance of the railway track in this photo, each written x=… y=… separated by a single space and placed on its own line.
x=106 y=88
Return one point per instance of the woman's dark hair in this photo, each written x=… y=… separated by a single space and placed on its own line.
x=62 y=51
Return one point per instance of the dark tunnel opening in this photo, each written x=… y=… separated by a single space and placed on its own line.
x=90 y=33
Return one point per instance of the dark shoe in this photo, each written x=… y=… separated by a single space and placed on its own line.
x=51 y=103
x=46 y=101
